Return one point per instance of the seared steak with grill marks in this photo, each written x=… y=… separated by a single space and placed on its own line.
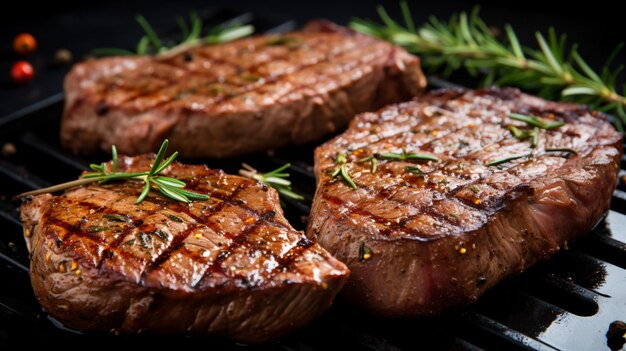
x=229 y=266
x=245 y=96
x=421 y=240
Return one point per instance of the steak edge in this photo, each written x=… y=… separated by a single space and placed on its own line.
x=230 y=99
x=230 y=266
x=424 y=242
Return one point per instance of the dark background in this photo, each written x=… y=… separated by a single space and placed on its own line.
x=81 y=26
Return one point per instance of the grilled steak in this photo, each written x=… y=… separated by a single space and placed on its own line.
x=423 y=239
x=229 y=266
x=245 y=96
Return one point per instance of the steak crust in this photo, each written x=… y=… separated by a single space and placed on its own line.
x=241 y=97
x=230 y=266
x=419 y=243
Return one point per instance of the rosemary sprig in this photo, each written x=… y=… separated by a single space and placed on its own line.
x=563 y=149
x=191 y=36
x=170 y=187
x=276 y=179
x=413 y=169
x=536 y=121
x=341 y=161
x=401 y=156
x=506 y=159
x=404 y=156
x=533 y=135
x=552 y=70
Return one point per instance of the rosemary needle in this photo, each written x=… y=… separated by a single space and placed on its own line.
x=340 y=162
x=507 y=159
x=170 y=187
x=536 y=121
x=465 y=41
x=191 y=33
x=404 y=156
x=277 y=179
x=568 y=150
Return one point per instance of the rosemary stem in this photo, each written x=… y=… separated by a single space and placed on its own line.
x=59 y=187
x=552 y=68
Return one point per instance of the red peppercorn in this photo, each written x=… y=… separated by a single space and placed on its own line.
x=24 y=44
x=22 y=72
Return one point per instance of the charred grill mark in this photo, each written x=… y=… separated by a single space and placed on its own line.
x=71 y=230
x=390 y=225
x=447 y=172
x=243 y=88
x=297 y=69
x=177 y=242
x=175 y=245
x=237 y=241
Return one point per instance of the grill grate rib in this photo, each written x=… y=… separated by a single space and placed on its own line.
x=565 y=302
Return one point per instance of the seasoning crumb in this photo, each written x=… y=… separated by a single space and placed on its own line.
x=62 y=267
x=198 y=236
x=62 y=57
x=460 y=248
x=27 y=233
x=49 y=243
x=477 y=201
x=74 y=265
x=78 y=272
x=249 y=220
x=365 y=253
x=8 y=149
x=48 y=256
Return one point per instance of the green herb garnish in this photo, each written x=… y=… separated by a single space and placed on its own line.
x=536 y=121
x=374 y=165
x=160 y=235
x=341 y=161
x=413 y=169
x=170 y=187
x=550 y=69
x=277 y=179
x=535 y=137
x=405 y=156
x=568 y=150
x=507 y=159
x=114 y=217
x=95 y=229
x=191 y=35
x=475 y=189
x=175 y=218
x=365 y=252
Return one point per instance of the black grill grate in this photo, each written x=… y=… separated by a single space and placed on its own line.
x=566 y=303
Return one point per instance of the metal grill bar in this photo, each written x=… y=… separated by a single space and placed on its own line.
x=501 y=331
